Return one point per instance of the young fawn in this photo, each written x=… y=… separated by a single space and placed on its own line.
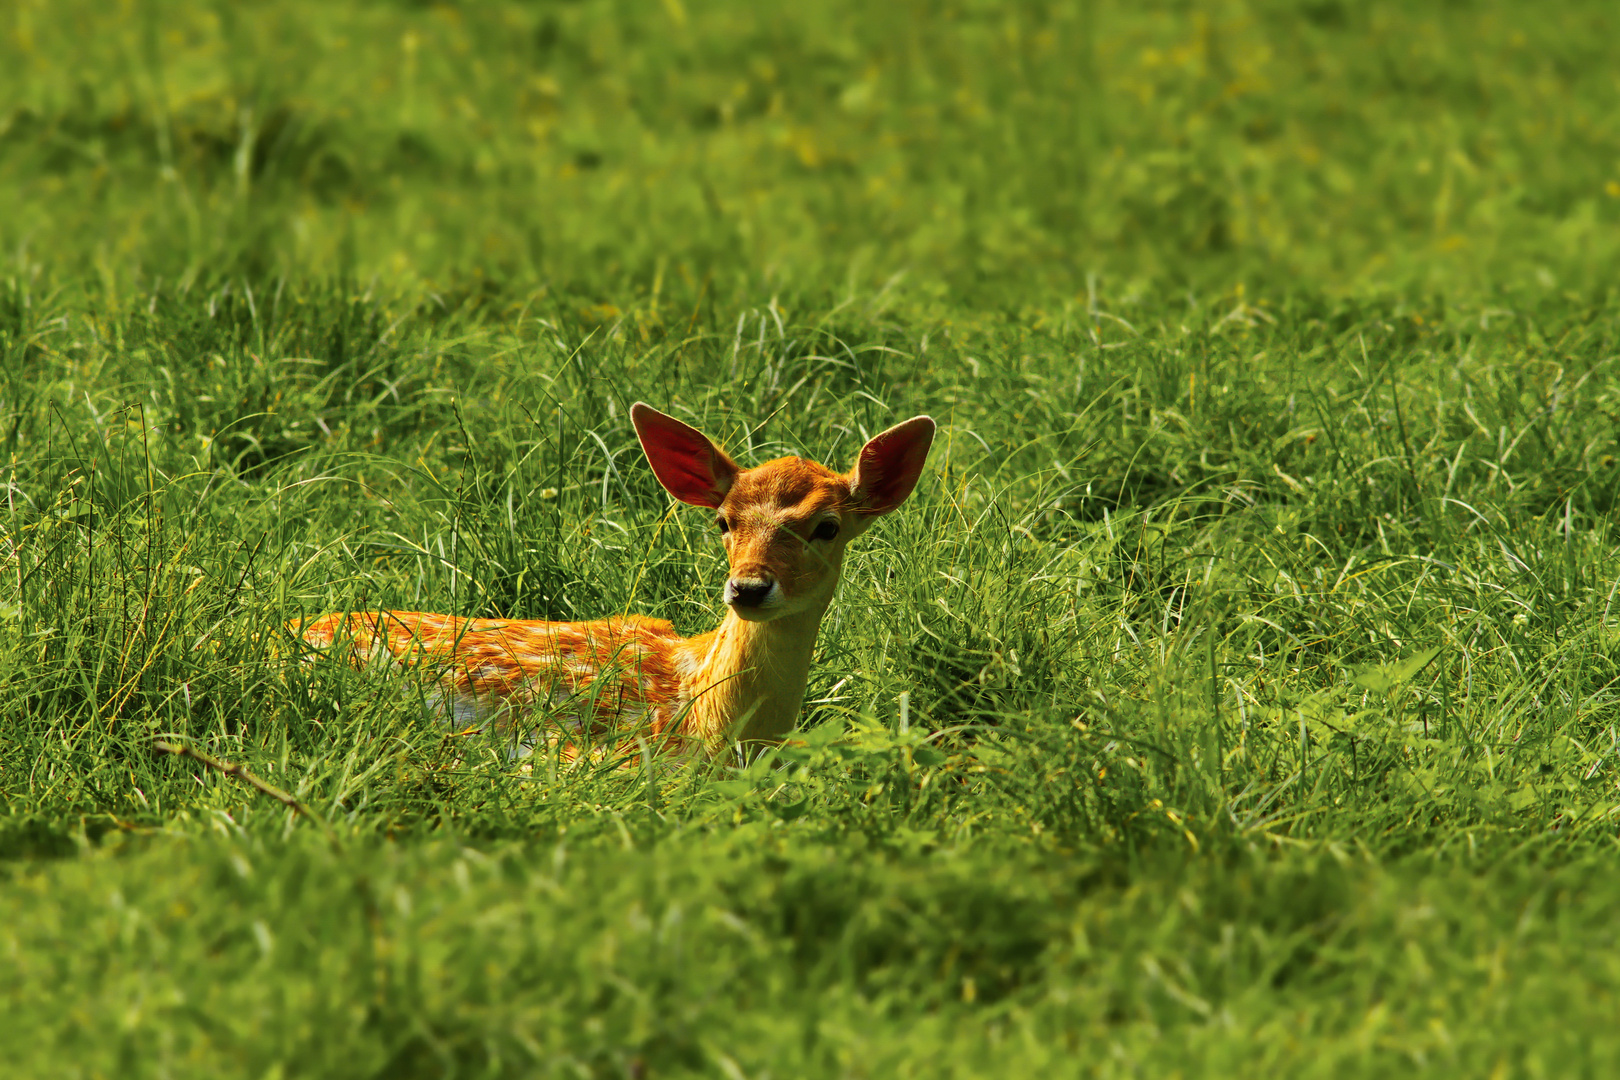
x=625 y=682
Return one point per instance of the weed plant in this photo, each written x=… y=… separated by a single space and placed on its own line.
x=1236 y=693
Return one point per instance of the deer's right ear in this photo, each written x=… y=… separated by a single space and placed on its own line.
x=690 y=467
x=890 y=465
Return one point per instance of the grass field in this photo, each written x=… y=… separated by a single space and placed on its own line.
x=1237 y=695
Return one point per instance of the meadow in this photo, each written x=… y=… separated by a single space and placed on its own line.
x=1236 y=694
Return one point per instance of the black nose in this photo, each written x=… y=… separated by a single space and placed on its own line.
x=748 y=594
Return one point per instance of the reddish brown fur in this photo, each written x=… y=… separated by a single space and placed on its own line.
x=627 y=682
x=507 y=664
x=785 y=493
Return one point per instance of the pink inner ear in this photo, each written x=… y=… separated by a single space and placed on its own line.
x=685 y=473
x=891 y=464
x=689 y=466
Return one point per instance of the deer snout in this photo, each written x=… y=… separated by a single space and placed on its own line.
x=750 y=593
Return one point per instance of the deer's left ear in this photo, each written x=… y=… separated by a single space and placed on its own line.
x=890 y=465
x=690 y=467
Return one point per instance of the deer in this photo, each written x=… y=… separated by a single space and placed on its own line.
x=629 y=684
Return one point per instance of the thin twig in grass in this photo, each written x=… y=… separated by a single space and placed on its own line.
x=240 y=772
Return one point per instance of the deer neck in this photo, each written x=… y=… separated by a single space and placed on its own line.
x=749 y=679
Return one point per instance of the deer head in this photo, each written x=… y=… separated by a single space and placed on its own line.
x=785 y=523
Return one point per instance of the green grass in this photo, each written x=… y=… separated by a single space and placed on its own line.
x=1236 y=693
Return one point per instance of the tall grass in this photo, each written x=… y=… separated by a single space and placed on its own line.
x=1236 y=692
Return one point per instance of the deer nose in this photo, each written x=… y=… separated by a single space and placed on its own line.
x=748 y=592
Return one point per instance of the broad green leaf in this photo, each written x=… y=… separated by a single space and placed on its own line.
x=1380 y=678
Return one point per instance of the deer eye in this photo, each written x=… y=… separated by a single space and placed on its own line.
x=723 y=525
x=827 y=530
